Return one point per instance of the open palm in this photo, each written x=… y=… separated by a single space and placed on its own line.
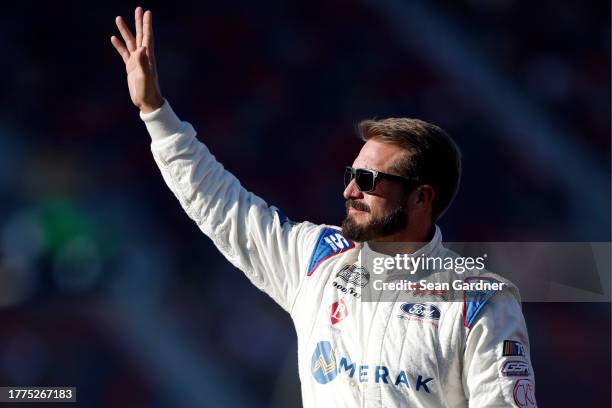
x=138 y=55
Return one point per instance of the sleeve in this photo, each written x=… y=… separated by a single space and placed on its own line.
x=497 y=370
x=256 y=238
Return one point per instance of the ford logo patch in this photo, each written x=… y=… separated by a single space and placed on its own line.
x=421 y=310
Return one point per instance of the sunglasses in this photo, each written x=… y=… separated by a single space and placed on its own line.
x=366 y=179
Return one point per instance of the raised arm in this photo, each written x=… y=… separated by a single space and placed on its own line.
x=258 y=239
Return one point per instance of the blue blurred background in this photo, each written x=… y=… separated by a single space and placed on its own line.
x=106 y=285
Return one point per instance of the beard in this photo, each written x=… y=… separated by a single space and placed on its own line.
x=393 y=221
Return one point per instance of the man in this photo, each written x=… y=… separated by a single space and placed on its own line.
x=350 y=352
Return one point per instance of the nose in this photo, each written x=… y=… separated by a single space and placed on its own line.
x=352 y=192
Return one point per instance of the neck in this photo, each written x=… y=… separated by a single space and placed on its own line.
x=408 y=240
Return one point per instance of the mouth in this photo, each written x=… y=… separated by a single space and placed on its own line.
x=356 y=207
x=352 y=210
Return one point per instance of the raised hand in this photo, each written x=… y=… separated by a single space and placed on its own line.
x=138 y=56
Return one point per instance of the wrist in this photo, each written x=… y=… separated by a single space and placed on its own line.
x=152 y=105
x=162 y=122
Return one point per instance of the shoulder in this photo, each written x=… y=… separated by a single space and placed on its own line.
x=482 y=289
x=314 y=243
x=326 y=242
x=477 y=288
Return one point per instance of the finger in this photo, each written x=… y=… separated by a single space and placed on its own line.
x=141 y=53
x=147 y=32
x=149 y=58
x=143 y=60
x=138 y=20
x=128 y=38
x=123 y=52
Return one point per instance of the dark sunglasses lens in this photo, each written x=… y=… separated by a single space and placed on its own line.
x=364 y=180
x=348 y=176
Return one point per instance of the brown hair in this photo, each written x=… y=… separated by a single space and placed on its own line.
x=432 y=156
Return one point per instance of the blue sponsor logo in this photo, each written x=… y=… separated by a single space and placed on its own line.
x=325 y=367
x=423 y=311
x=329 y=244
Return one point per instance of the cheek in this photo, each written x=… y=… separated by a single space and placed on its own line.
x=378 y=206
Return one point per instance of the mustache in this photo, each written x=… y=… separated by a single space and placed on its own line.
x=358 y=205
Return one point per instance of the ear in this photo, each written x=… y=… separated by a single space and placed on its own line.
x=425 y=195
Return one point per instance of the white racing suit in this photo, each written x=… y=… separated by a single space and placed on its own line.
x=350 y=353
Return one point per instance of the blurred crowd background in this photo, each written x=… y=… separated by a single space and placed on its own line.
x=106 y=285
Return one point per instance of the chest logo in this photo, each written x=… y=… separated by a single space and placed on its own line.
x=326 y=365
x=338 y=311
x=420 y=311
x=350 y=279
x=323 y=364
x=354 y=275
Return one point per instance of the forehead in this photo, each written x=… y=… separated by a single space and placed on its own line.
x=379 y=156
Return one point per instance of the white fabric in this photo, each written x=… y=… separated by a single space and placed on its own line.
x=371 y=358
